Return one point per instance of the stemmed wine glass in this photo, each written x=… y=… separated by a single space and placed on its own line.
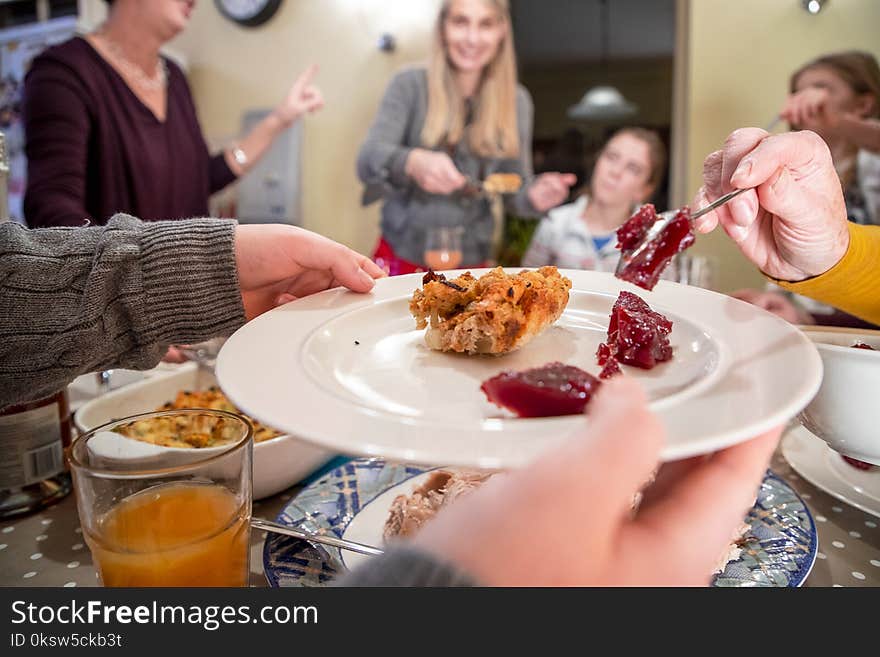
x=443 y=247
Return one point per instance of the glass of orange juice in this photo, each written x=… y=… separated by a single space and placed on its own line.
x=443 y=247
x=164 y=498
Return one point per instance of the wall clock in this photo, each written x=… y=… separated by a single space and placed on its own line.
x=249 y=13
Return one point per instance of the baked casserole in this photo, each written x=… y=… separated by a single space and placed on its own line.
x=193 y=430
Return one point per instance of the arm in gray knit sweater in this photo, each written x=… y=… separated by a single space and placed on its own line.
x=77 y=300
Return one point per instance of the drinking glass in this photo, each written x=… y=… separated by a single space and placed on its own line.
x=696 y=270
x=157 y=515
x=443 y=247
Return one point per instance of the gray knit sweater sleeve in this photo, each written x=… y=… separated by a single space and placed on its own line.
x=406 y=566
x=77 y=300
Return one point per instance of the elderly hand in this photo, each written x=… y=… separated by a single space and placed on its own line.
x=303 y=97
x=567 y=518
x=433 y=171
x=278 y=263
x=550 y=189
x=791 y=222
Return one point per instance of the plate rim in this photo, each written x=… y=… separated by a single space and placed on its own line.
x=379 y=494
x=814 y=530
x=812 y=442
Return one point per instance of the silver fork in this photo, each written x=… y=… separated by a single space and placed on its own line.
x=297 y=532
x=663 y=220
x=770 y=126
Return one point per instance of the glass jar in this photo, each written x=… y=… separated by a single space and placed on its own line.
x=33 y=437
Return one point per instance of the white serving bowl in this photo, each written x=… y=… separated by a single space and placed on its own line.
x=845 y=413
x=279 y=462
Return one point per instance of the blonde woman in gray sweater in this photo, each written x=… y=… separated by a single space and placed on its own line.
x=442 y=127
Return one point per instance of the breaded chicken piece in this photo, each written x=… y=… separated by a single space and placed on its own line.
x=494 y=314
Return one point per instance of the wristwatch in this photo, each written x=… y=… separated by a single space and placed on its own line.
x=239 y=156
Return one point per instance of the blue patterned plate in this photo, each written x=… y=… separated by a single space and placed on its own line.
x=778 y=550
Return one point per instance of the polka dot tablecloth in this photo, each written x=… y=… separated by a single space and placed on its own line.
x=849 y=539
x=47 y=549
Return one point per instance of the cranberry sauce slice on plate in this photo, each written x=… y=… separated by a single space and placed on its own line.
x=552 y=389
x=636 y=334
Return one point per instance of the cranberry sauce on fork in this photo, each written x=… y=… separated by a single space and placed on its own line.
x=552 y=389
x=630 y=234
x=646 y=268
x=636 y=335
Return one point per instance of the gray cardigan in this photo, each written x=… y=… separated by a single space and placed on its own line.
x=408 y=210
x=76 y=300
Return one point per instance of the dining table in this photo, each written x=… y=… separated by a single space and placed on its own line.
x=47 y=549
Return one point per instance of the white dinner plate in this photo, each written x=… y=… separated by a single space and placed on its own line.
x=351 y=373
x=815 y=461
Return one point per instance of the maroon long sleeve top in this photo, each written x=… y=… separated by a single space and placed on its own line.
x=94 y=149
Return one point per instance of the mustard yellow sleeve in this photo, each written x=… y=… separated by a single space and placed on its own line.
x=853 y=284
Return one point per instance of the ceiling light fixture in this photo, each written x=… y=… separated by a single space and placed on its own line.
x=602 y=102
x=813 y=6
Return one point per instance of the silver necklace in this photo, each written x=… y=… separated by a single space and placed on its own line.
x=155 y=82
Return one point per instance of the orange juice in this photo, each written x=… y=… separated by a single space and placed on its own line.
x=176 y=534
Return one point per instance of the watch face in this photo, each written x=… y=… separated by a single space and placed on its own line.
x=248 y=12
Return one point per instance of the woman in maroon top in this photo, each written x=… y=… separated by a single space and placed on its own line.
x=111 y=127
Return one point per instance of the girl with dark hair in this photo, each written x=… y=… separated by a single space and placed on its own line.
x=837 y=96
x=581 y=235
